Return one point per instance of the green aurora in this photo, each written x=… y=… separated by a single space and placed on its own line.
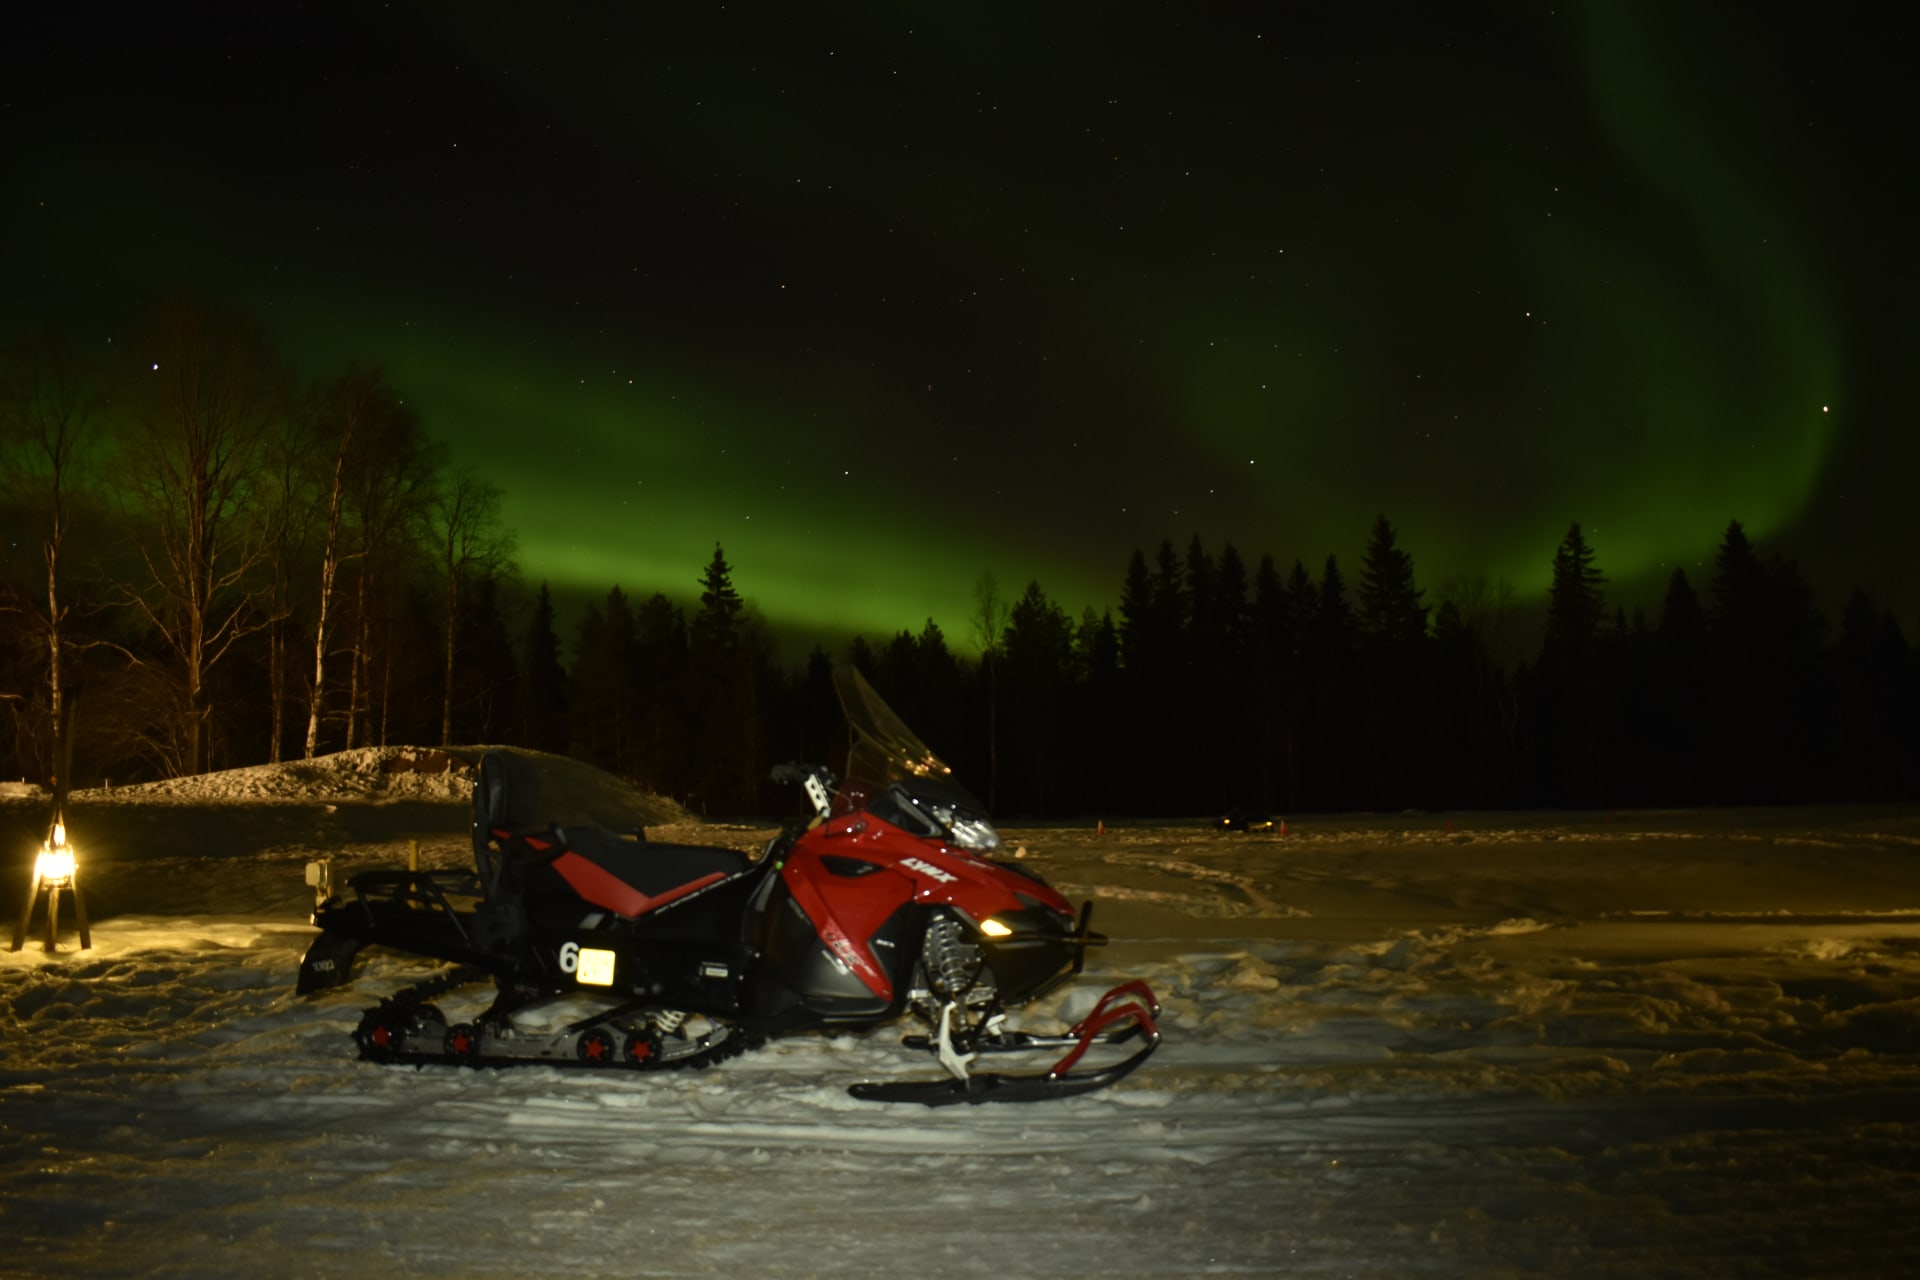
x=879 y=307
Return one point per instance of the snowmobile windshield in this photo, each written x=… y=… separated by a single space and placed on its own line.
x=912 y=787
x=529 y=790
x=884 y=750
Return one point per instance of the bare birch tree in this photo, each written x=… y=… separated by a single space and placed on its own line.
x=389 y=490
x=470 y=540
x=355 y=416
x=989 y=621
x=48 y=408
x=203 y=401
x=289 y=485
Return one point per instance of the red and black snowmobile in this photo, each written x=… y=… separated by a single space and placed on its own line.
x=608 y=950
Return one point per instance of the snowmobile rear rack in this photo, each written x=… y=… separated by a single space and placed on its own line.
x=408 y=909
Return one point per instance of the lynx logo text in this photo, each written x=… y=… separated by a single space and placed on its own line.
x=928 y=870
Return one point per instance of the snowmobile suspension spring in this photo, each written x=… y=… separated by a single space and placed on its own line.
x=953 y=962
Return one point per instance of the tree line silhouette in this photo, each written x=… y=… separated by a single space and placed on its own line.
x=1288 y=693
x=226 y=566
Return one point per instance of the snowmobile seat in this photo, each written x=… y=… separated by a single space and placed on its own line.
x=632 y=877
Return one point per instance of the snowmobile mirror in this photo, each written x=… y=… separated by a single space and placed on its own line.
x=817 y=792
x=814 y=779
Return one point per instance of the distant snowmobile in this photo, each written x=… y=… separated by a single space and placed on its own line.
x=608 y=950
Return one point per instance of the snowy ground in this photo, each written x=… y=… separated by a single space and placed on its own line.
x=1639 y=1044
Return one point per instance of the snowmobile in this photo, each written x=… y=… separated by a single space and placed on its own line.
x=606 y=950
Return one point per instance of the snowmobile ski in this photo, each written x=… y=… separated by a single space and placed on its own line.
x=1127 y=1012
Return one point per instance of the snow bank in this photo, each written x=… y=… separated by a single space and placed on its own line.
x=383 y=774
x=364 y=773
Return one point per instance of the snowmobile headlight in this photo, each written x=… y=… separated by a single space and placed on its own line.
x=994 y=929
x=976 y=834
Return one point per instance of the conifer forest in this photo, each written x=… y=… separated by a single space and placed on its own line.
x=229 y=566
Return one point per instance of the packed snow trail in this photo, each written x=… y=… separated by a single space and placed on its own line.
x=1664 y=1045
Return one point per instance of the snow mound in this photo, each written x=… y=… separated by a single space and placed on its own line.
x=363 y=773
x=391 y=774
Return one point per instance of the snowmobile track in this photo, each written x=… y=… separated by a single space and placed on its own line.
x=384 y=1031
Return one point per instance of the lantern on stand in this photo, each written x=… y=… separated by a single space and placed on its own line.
x=54 y=872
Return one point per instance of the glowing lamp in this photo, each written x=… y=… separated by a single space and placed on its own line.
x=54 y=866
x=54 y=873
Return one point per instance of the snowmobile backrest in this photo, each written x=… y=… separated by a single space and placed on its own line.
x=506 y=793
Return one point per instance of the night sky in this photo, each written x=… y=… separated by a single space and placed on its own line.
x=882 y=297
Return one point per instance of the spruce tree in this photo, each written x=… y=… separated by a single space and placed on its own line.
x=1677 y=679
x=1097 y=716
x=1575 y=602
x=1222 y=684
x=1475 y=715
x=1039 y=650
x=486 y=702
x=931 y=654
x=1333 y=617
x=1171 y=603
x=1136 y=613
x=1304 y=596
x=543 y=689
x=940 y=711
x=1391 y=616
x=1330 y=731
x=1271 y=659
x=1392 y=626
x=1574 y=719
x=1739 y=596
x=1230 y=594
x=813 y=731
x=1272 y=610
x=1875 y=693
x=895 y=679
x=715 y=627
x=1763 y=637
x=724 y=690
x=592 y=680
x=659 y=698
x=1204 y=625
